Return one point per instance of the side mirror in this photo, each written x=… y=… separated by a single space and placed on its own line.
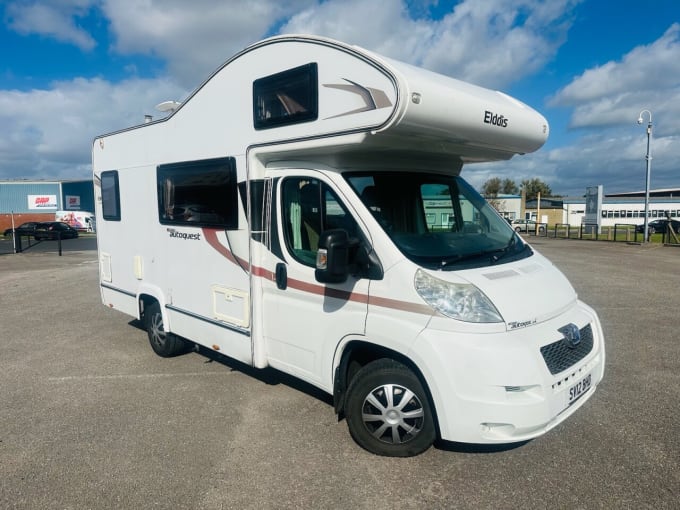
x=332 y=258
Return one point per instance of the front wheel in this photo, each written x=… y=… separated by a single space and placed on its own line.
x=163 y=343
x=387 y=410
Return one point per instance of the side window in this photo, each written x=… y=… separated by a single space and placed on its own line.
x=286 y=98
x=110 y=196
x=198 y=193
x=436 y=200
x=456 y=213
x=308 y=208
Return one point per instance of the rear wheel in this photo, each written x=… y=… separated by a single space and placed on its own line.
x=163 y=343
x=387 y=410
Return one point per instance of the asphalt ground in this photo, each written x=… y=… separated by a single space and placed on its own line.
x=90 y=417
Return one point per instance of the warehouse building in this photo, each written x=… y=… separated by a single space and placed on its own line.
x=24 y=201
x=40 y=201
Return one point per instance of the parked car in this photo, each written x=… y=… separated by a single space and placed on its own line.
x=521 y=225
x=25 y=229
x=53 y=229
x=658 y=226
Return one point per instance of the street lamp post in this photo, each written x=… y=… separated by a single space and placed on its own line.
x=648 y=157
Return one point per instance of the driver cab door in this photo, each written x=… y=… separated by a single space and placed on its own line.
x=304 y=320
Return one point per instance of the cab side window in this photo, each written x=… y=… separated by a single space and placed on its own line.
x=310 y=207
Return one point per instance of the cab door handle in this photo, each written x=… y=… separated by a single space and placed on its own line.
x=281 y=276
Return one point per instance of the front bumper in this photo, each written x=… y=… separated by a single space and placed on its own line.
x=498 y=387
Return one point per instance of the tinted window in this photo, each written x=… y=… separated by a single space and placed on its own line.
x=310 y=207
x=110 y=196
x=198 y=193
x=286 y=98
x=437 y=221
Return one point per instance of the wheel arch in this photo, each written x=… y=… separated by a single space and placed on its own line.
x=357 y=353
x=145 y=297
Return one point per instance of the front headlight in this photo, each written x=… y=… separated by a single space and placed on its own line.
x=461 y=301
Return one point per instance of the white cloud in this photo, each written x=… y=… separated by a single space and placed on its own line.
x=56 y=19
x=49 y=132
x=509 y=38
x=605 y=103
x=648 y=77
x=193 y=38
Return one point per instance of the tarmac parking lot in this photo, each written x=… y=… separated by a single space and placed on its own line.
x=90 y=417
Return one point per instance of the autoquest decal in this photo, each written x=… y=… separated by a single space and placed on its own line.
x=184 y=235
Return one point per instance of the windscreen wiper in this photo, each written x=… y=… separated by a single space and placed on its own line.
x=509 y=250
x=493 y=255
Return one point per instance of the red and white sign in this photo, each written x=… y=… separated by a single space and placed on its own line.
x=72 y=202
x=42 y=201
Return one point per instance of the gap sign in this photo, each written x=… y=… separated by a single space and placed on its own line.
x=42 y=201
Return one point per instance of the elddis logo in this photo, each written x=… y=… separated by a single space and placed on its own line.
x=495 y=119
x=183 y=235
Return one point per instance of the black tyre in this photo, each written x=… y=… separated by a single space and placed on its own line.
x=387 y=410
x=163 y=343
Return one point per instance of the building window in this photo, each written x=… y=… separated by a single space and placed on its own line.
x=200 y=193
x=285 y=98
x=110 y=196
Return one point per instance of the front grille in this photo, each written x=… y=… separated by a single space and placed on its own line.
x=559 y=356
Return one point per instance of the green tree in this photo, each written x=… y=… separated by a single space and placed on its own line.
x=492 y=187
x=495 y=186
x=532 y=187
x=509 y=187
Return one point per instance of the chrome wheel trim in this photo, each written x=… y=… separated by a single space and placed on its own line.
x=158 y=335
x=393 y=414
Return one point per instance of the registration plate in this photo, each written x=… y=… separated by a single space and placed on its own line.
x=579 y=389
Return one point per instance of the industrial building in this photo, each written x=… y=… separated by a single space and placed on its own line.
x=614 y=209
x=40 y=200
x=24 y=201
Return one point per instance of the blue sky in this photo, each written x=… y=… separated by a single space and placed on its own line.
x=74 y=69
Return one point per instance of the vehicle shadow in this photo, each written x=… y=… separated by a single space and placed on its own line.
x=273 y=377
x=269 y=376
x=452 y=446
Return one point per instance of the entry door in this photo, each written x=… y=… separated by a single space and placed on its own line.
x=304 y=320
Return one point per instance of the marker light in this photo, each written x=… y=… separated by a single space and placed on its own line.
x=461 y=301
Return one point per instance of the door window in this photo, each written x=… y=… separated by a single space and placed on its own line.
x=310 y=207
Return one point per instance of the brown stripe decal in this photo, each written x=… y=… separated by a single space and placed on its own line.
x=322 y=290
x=312 y=288
x=211 y=237
x=404 y=306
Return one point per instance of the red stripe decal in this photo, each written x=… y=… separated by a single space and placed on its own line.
x=211 y=237
x=321 y=290
x=395 y=304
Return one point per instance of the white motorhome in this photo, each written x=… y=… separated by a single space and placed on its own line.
x=279 y=216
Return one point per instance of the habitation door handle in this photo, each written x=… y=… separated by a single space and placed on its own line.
x=281 y=276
